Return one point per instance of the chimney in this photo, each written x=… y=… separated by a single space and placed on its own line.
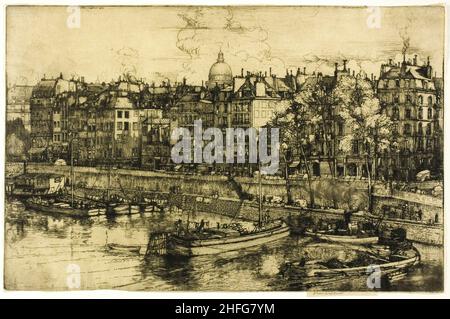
x=265 y=73
x=415 y=59
x=242 y=72
x=82 y=79
x=270 y=70
x=390 y=61
x=345 y=65
x=335 y=66
x=371 y=76
x=60 y=75
x=298 y=71
x=304 y=70
x=353 y=72
x=428 y=61
x=184 y=81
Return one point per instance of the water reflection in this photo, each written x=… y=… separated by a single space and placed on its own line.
x=39 y=248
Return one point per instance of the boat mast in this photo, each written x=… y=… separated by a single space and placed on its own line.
x=260 y=197
x=72 y=175
x=109 y=183
x=187 y=222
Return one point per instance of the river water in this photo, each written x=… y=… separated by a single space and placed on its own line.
x=60 y=253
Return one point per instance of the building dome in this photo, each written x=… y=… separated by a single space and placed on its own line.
x=220 y=73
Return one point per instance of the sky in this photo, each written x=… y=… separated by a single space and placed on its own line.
x=160 y=43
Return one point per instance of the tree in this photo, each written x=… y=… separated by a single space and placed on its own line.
x=292 y=122
x=367 y=125
x=18 y=140
x=318 y=100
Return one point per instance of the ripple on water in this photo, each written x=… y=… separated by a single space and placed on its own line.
x=39 y=249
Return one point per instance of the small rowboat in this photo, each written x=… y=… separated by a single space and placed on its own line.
x=312 y=274
x=344 y=238
x=124 y=248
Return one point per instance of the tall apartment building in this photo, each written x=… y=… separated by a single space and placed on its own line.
x=408 y=94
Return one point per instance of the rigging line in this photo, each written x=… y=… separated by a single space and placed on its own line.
x=238 y=210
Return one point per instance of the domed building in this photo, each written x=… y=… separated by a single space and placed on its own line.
x=220 y=73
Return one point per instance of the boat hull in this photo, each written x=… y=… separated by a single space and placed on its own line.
x=344 y=239
x=216 y=246
x=310 y=278
x=67 y=211
x=126 y=209
x=124 y=248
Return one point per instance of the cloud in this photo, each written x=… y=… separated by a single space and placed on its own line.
x=244 y=43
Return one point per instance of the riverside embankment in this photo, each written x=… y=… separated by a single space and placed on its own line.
x=221 y=195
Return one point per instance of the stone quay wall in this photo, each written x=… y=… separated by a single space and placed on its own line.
x=216 y=194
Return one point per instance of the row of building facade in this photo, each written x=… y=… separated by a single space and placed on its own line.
x=129 y=122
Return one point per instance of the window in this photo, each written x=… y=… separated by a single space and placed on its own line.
x=430 y=113
x=126 y=126
x=135 y=126
x=429 y=129
x=408 y=98
x=127 y=114
x=355 y=147
x=407 y=129
x=119 y=126
x=420 y=129
x=420 y=100
x=430 y=101
x=408 y=113
x=395 y=129
x=119 y=114
x=340 y=128
x=395 y=113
